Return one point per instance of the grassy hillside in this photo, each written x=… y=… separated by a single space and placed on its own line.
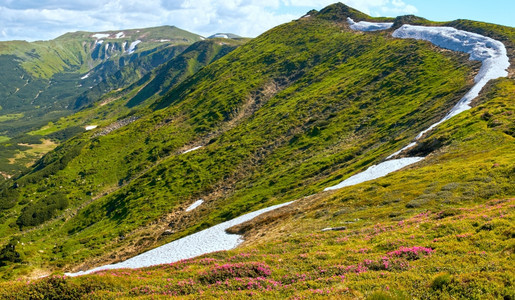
x=443 y=229
x=280 y=118
x=283 y=116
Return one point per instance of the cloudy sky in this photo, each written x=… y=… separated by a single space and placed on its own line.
x=46 y=19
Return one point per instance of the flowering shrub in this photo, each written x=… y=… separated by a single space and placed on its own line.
x=386 y=264
x=411 y=253
x=248 y=269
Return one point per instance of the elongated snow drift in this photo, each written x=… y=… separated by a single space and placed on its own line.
x=368 y=26
x=490 y=52
x=209 y=240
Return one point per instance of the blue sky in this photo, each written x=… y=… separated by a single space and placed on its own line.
x=46 y=19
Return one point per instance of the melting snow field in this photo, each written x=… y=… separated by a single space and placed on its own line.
x=100 y=35
x=132 y=46
x=195 y=205
x=376 y=171
x=85 y=76
x=90 y=127
x=206 y=241
x=368 y=26
x=490 y=52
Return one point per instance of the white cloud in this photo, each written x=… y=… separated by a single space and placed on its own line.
x=46 y=19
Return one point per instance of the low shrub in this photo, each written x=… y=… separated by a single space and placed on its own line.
x=241 y=270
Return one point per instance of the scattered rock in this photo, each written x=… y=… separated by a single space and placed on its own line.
x=334 y=228
x=167 y=232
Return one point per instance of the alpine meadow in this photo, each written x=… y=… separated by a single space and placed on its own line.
x=338 y=156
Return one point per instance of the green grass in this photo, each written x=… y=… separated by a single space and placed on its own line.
x=162 y=66
x=4 y=138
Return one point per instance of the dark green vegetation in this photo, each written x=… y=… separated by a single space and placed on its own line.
x=283 y=116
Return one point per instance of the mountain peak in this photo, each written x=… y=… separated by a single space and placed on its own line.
x=340 y=11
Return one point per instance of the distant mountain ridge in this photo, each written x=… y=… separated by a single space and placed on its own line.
x=224 y=35
x=99 y=63
x=44 y=78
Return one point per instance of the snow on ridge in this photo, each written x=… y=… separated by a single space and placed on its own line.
x=195 y=205
x=376 y=171
x=100 y=35
x=132 y=46
x=206 y=241
x=368 y=26
x=85 y=76
x=490 y=52
x=120 y=35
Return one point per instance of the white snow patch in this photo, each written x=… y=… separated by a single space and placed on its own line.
x=490 y=52
x=119 y=35
x=206 y=241
x=106 y=51
x=202 y=38
x=376 y=171
x=192 y=149
x=98 y=42
x=132 y=46
x=85 y=76
x=368 y=26
x=100 y=35
x=413 y=144
x=90 y=127
x=195 y=205
x=164 y=40
x=123 y=45
x=223 y=36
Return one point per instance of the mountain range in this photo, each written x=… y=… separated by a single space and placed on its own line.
x=374 y=155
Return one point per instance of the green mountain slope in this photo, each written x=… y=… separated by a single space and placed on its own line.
x=41 y=81
x=280 y=118
x=441 y=230
x=17 y=152
x=31 y=101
